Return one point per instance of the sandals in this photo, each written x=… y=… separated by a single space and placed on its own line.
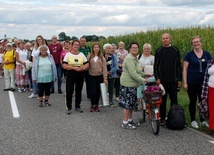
x=162 y=122
x=47 y=104
x=41 y=104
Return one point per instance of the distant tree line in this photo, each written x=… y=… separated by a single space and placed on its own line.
x=63 y=37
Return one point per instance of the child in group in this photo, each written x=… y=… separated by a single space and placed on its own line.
x=150 y=79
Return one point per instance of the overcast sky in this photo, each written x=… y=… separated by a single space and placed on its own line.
x=26 y=19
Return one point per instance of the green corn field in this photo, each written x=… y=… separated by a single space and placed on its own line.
x=180 y=38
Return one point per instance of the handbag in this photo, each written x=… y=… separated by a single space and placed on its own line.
x=203 y=109
x=104 y=95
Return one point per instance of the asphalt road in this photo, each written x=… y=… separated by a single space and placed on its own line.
x=49 y=131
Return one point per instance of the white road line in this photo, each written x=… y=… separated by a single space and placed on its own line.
x=13 y=105
x=211 y=142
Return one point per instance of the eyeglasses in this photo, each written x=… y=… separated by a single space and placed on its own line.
x=134 y=48
x=195 y=42
x=39 y=39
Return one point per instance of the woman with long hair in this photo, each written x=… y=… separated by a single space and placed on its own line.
x=97 y=74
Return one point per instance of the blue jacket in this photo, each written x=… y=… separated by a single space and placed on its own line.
x=112 y=65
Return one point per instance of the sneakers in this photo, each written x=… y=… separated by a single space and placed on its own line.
x=97 y=109
x=68 y=112
x=204 y=123
x=194 y=124
x=60 y=91
x=128 y=126
x=32 y=96
x=134 y=123
x=79 y=110
x=112 y=104
x=20 y=90
x=93 y=108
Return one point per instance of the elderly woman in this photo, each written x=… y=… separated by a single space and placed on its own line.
x=75 y=63
x=111 y=62
x=145 y=59
x=21 y=78
x=130 y=79
x=29 y=57
x=39 y=42
x=194 y=66
x=44 y=73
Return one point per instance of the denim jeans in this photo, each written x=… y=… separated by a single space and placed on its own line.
x=30 y=79
x=35 y=88
x=59 y=76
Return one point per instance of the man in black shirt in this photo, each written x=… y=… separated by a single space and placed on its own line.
x=167 y=71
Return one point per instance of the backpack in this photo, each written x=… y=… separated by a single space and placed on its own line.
x=176 y=118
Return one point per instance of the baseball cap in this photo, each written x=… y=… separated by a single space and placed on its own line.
x=9 y=44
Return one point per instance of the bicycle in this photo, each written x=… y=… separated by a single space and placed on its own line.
x=151 y=106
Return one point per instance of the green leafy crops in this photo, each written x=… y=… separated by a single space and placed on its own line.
x=180 y=38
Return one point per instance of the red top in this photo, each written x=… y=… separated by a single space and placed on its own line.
x=55 y=51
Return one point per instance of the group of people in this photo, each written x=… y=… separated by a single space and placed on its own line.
x=197 y=71
x=37 y=67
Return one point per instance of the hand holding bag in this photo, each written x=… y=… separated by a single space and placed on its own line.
x=203 y=109
x=104 y=95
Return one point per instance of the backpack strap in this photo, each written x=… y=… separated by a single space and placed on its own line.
x=139 y=56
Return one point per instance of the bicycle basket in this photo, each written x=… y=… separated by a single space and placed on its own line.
x=152 y=97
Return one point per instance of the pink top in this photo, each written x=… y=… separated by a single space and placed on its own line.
x=63 y=54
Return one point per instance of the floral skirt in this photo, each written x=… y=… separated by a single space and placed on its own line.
x=20 y=79
x=128 y=98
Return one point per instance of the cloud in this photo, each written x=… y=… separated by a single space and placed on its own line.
x=187 y=2
x=27 y=19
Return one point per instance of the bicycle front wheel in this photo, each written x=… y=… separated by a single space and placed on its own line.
x=155 y=126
